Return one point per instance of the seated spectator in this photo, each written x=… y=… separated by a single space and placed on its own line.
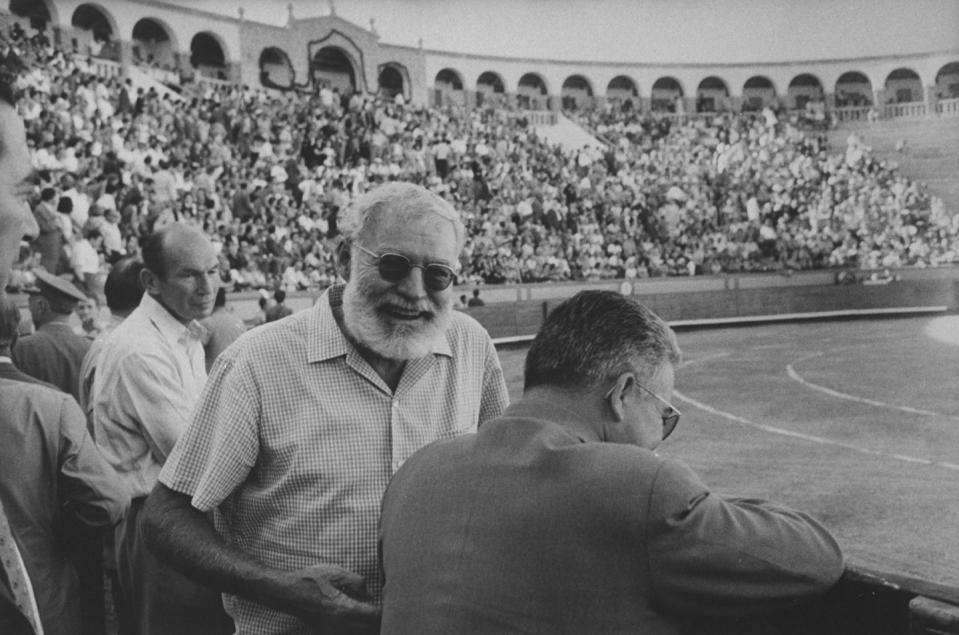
x=278 y=310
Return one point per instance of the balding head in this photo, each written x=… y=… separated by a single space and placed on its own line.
x=181 y=271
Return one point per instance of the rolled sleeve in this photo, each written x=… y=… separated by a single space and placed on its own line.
x=220 y=447
x=495 y=396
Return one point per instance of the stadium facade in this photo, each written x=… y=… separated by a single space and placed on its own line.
x=904 y=75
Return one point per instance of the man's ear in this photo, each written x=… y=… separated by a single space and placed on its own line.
x=616 y=397
x=150 y=281
x=342 y=254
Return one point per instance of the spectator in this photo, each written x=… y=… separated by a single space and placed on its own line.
x=88 y=311
x=149 y=376
x=54 y=352
x=476 y=300
x=49 y=242
x=123 y=291
x=558 y=517
x=223 y=328
x=278 y=310
x=328 y=381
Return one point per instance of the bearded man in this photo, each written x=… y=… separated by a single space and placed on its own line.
x=305 y=420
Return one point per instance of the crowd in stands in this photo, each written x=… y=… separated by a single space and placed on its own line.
x=266 y=173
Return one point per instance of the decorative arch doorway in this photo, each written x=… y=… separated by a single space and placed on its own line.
x=331 y=66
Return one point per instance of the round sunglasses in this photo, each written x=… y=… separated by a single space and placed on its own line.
x=395 y=267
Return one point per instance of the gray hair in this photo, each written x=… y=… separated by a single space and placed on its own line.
x=588 y=340
x=363 y=216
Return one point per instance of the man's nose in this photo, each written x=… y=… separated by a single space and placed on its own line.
x=413 y=285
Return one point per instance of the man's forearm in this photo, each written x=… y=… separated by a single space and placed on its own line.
x=182 y=536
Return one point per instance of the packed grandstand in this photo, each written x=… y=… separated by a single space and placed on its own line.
x=266 y=172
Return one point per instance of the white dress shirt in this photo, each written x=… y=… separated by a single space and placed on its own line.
x=151 y=370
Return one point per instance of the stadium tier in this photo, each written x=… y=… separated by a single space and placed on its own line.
x=139 y=129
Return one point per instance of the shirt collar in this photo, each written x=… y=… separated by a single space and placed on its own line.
x=326 y=339
x=171 y=328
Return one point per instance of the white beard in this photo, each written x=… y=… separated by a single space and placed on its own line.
x=397 y=341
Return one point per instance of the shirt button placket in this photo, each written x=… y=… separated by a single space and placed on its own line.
x=397 y=437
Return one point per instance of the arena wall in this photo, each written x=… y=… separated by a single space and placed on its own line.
x=735 y=42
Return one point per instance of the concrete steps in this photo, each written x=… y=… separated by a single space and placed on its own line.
x=568 y=134
x=931 y=156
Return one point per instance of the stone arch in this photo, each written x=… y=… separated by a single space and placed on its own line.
x=802 y=89
x=490 y=88
x=576 y=92
x=154 y=44
x=276 y=69
x=666 y=95
x=947 y=81
x=712 y=94
x=758 y=92
x=903 y=86
x=490 y=82
x=532 y=91
x=449 y=80
x=449 y=85
x=853 y=89
x=332 y=66
x=96 y=31
x=622 y=89
x=41 y=13
x=392 y=80
x=208 y=55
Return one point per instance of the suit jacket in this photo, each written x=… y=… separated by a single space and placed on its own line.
x=51 y=474
x=53 y=354
x=9 y=371
x=525 y=527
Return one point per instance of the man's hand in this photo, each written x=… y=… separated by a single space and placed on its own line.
x=329 y=597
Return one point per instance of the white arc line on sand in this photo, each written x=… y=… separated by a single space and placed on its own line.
x=811 y=438
x=872 y=402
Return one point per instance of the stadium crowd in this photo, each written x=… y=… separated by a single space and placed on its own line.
x=265 y=174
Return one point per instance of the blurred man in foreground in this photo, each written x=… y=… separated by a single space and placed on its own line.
x=306 y=419
x=558 y=517
x=18 y=607
x=50 y=473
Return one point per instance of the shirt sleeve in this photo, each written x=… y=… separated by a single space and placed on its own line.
x=88 y=484
x=495 y=395
x=149 y=391
x=714 y=556
x=221 y=446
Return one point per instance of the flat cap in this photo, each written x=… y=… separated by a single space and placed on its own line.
x=56 y=288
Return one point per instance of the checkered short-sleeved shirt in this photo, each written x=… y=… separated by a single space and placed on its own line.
x=296 y=437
